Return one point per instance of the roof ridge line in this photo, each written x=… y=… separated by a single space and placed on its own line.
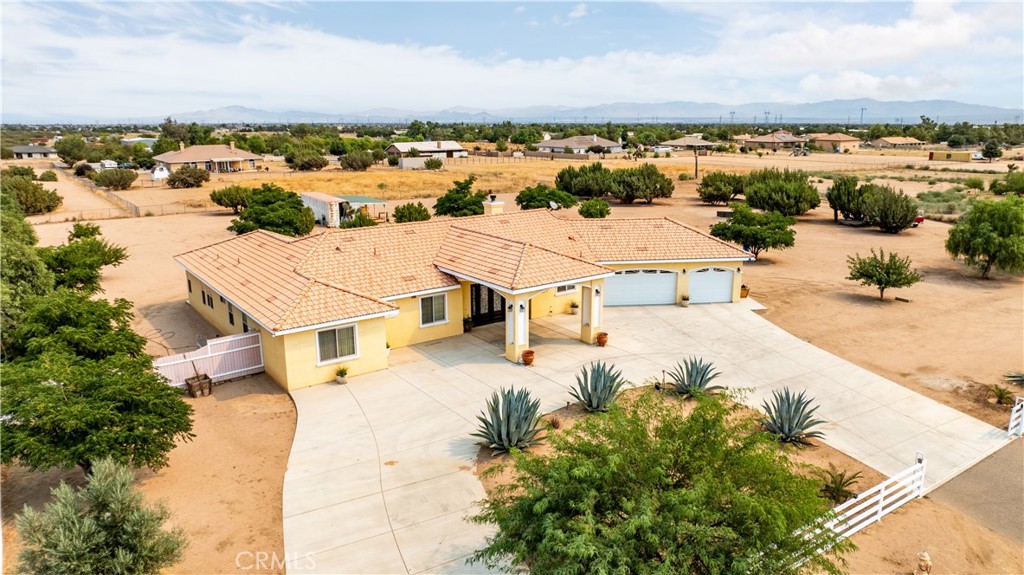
x=261 y=231
x=707 y=235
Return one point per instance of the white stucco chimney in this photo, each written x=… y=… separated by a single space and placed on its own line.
x=181 y=146
x=231 y=144
x=439 y=144
x=493 y=206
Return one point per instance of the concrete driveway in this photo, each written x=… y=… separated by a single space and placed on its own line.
x=380 y=477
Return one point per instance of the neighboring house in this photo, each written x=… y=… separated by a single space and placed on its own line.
x=344 y=297
x=897 y=142
x=438 y=149
x=579 y=144
x=216 y=158
x=689 y=143
x=775 y=140
x=837 y=141
x=148 y=142
x=330 y=211
x=32 y=152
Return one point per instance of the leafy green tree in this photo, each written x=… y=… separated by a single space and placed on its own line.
x=116 y=179
x=77 y=263
x=645 y=183
x=234 y=197
x=591 y=181
x=275 y=209
x=461 y=200
x=542 y=196
x=164 y=144
x=6 y=153
x=501 y=145
x=357 y=161
x=844 y=197
x=411 y=213
x=888 y=209
x=882 y=271
x=84 y=170
x=990 y=235
x=757 y=232
x=433 y=164
x=718 y=187
x=788 y=192
x=71 y=148
x=31 y=196
x=104 y=528
x=171 y=129
x=23 y=275
x=188 y=177
x=257 y=145
x=632 y=492
x=956 y=141
x=1013 y=183
x=595 y=208
x=60 y=411
x=48 y=176
x=413 y=153
x=991 y=151
x=12 y=171
x=309 y=160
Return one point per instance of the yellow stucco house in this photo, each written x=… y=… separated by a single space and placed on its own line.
x=343 y=297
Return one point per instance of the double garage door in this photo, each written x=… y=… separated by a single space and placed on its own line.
x=658 y=287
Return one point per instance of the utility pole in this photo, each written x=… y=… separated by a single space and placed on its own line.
x=766 y=113
x=696 y=173
x=862 y=116
x=732 y=116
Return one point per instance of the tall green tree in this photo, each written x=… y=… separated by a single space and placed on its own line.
x=411 y=213
x=234 y=197
x=275 y=209
x=645 y=183
x=990 y=235
x=992 y=150
x=461 y=200
x=632 y=492
x=590 y=181
x=78 y=263
x=104 y=528
x=788 y=191
x=844 y=197
x=542 y=196
x=882 y=271
x=71 y=149
x=892 y=211
x=756 y=232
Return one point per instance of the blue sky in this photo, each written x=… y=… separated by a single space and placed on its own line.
x=125 y=59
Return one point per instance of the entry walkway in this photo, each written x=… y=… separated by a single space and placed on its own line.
x=380 y=477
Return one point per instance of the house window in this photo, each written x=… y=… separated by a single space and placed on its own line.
x=252 y=163
x=222 y=300
x=433 y=309
x=245 y=323
x=203 y=292
x=564 y=289
x=231 y=314
x=209 y=166
x=189 y=285
x=336 y=344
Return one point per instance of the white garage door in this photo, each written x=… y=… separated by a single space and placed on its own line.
x=711 y=285
x=640 y=287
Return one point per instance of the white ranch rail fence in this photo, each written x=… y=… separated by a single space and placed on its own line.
x=1016 y=427
x=222 y=359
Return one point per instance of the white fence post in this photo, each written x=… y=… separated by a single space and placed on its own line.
x=1016 y=426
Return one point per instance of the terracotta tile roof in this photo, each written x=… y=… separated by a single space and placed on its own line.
x=578 y=142
x=651 y=239
x=205 y=153
x=836 y=137
x=538 y=227
x=507 y=263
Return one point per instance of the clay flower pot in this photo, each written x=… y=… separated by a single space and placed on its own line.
x=528 y=357
x=744 y=291
x=602 y=338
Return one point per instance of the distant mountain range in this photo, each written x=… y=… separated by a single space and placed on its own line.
x=831 y=111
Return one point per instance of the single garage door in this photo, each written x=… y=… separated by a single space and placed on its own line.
x=640 y=287
x=711 y=285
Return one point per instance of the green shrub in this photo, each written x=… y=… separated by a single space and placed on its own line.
x=356 y=161
x=789 y=417
x=719 y=188
x=188 y=177
x=990 y=235
x=1003 y=395
x=1013 y=183
x=597 y=387
x=6 y=153
x=542 y=196
x=393 y=160
x=309 y=160
x=510 y=421
x=836 y=484
x=31 y=196
x=433 y=164
x=684 y=176
x=411 y=213
x=591 y=181
x=645 y=183
x=359 y=220
x=844 y=197
x=693 y=377
x=595 y=208
x=83 y=169
x=461 y=200
x=116 y=179
x=974 y=184
x=756 y=232
x=48 y=176
x=275 y=209
x=882 y=271
x=18 y=171
x=890 y=210
x=788 y=192
x=234 y=197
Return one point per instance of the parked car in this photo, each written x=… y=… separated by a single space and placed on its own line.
x=918 y=220
x=977 y=156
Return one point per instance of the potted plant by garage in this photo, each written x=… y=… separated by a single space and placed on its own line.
x=685 y=301
x=602 y=338
x=467 y=324
x=574 y=307
x=528 y=357
x=744 y=290
x=341 y=375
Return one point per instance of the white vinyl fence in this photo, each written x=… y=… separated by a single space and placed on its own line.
x=221 y=359
x=1016 y=427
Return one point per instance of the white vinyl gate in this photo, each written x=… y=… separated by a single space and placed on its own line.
x=222 y=359
x=711 y=285
x=640 y=287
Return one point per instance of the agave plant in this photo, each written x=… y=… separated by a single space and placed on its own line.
x=693 y=377
x=597 y=387
x=789 y=417
x=510 y=421
x=836 y=484
x=1014 y=378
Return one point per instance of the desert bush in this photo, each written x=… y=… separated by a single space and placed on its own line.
x=844 y=197
x=756 y=232
x=597 y=386
x=6 y=153
x=511 y=421
x=542 y=196
x=591 y=181
x=393 y=160
x=116 y=179
x=788 y=192
x=693 y=377
x=1013 y=183
x=359 y=220
x=18 y=171
x=595 y=208
x=47 y=176
x=234 y=197
x=411 y=213
x=378 y=155
x=974 y=184
x=304 y=159
x=990 y=235
x=31 y=196
x=83 y=169
x=188 y=177
x=789 y=417
x=719 y=188
x=890 y=210
x=356 y=161
x=433 y=164
x=684 y=176
x=882 y=271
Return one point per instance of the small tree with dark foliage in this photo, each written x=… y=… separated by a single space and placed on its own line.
x=433 y=164
x=234 y=197
x=788 y=192
x=595 y=208
x=411 y=213
x=990 y=235
x=308 y=160
x=188 y=177
x=275 y=209
x=882 y=271
x=542 y=196
x=756 y=232
x=116 y=179
x=888 y=209
x=356 y=161
x=461 y=200
x=718 y=187
x=645 y=183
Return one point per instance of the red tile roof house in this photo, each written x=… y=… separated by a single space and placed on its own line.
x=344 y=297
x=580 y=144
x=775 y=140
x=215 y=158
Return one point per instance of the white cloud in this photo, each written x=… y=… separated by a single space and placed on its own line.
x=579 y=11
x=520 y=9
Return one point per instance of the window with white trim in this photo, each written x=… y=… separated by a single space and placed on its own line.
x=336 y=344
x=433 y=309
x=231 y=314
x=245 y=323
x=565 y=289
